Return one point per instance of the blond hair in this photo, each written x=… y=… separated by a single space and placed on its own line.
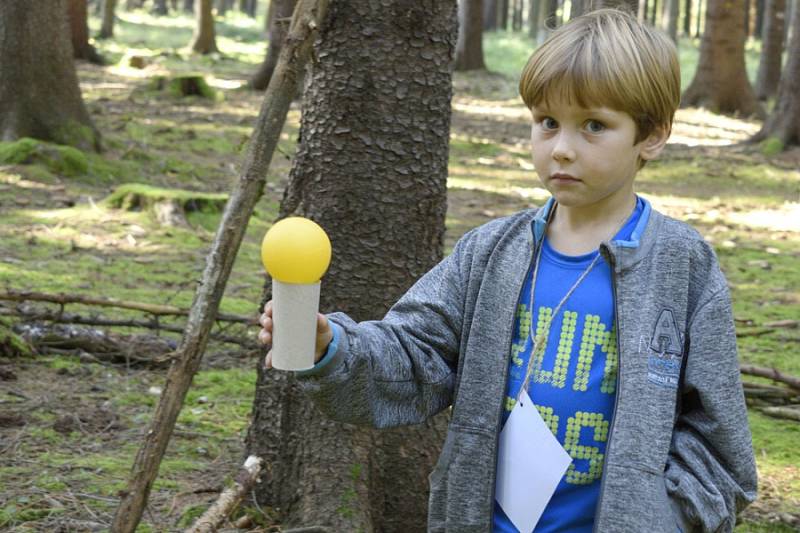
x=607 y=58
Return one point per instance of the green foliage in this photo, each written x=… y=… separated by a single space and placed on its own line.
x=60 y=159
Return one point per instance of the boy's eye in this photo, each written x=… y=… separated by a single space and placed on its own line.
x=549 y=123
x=594 y=126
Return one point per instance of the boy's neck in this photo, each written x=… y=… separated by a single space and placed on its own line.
x=580 y=230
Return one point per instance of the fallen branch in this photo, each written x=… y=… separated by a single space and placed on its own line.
x=753 y=332
x=71 y=318
x=771 y=373
x=783 y=324
x=789 y=413
x=755 y=390
x=230 y=498
x=306 y=19
x=158 y=310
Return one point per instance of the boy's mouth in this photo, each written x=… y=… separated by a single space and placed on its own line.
x=562 y=177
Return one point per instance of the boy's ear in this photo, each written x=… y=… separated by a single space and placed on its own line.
x=652 y=146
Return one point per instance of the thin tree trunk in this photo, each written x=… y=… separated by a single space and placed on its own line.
x=516 y=24
x=490 y=15
x=384 y=146
x=107 y=29
x=687 y=18
x=783 y=124
x=160 y=7
x=218 y=266
x=79 y=30
x=534 y=14
x=188 y=6
x=279 y=10
x=204 y=40
x=469 y=50
x=39 y=92
x=720 y=82
x=642 y=10
x=669 y=18
x=502 y=5
x=770 y=63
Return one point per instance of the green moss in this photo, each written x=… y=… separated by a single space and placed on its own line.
x=183 y=85
x=60 y=159
x=11 y=344
x=82 y=136
x=190 y=514
x=138 y=196
x=771 y=146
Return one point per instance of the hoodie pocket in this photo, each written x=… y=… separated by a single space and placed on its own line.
x=635 y=499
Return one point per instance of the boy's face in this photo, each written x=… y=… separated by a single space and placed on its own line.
x=587 y=158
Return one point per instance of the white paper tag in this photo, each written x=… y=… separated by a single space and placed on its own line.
x=530 y=465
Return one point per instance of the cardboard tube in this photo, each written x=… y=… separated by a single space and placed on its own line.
x=294 y=324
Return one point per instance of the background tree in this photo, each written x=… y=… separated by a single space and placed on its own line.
x=720 y=82
x=469 y=50
x=204 y=40
x=784 y=122
x=371 y=168
x=490 y=15
x=669 y=18
x=107 y=27
x=79 y=31
x=160 y=7
x=769 y=65
x=39 y=92
x=279 y=11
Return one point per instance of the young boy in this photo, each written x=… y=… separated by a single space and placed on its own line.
x=614 y=318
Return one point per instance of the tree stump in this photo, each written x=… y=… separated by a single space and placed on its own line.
x=168 y=206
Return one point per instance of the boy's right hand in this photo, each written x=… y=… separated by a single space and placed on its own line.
x=324 y=334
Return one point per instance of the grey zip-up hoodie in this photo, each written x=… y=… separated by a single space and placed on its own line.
x=679 y=453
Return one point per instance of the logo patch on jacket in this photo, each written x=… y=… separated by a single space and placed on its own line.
x=666 y=345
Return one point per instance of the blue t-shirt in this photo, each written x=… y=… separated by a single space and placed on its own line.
x=573 y=385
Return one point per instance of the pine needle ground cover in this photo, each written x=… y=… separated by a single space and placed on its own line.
x=70 y=422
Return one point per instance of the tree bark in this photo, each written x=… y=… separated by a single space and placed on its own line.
x=39 y=92
x=534 y=15
x=188 y=6
x=204 y=40
x=160 y=7
x=371 y=169
x=490 y=15
x=279 y=10
x=219 y=263
x=669 y=18
x=687 y=18
x=469 y=49
x=107 y=28
x=502 y=14
x=720 y=82
x=770 y=63
x=784 y=122
x=79 y=30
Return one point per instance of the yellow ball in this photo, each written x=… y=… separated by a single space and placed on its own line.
x=296 y=250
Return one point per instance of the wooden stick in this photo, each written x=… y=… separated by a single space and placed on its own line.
x=308 y=16
x=230 y=498
x=64 y=299
x=772 y=374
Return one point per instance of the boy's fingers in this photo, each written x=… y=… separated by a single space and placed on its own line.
x=268 y=308
x=322 y=322
x=264 y=337
x=268 y=360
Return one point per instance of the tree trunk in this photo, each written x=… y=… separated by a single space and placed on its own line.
x=687 y=18
x=784 y=122
x=577 y=8
x=469 y=50
x=700 y=17
x=502 y=6
x=160 y=7
x=516 y=23
x=39 y=92
x=79 y=31
x=371 y=169
x=720 y=82
x=550 y=15
x=489 y=15
x=769 y=66
x=534 y=14
x=107 y=29
x=761 y=6
x=278 y=11
x=188 y=6
x=641 y=11
x=669 y=18
x=204 y=40
x=133 y=4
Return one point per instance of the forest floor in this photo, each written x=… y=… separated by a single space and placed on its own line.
x=71 y=422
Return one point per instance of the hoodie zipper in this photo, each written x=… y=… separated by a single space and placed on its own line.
x=611 y=262
x=505 y=378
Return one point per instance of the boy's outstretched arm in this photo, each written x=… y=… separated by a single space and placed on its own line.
x=711 y=473
x=402 y=369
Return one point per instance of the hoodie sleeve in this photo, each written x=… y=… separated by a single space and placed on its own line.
x=711 y=473
x=400 y=370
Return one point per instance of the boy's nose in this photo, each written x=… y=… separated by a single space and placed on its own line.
x=562 y=150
